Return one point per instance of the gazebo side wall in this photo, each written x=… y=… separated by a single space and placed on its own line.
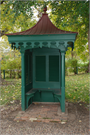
x=28 y=70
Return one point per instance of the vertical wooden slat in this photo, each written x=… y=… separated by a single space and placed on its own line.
x=28 y=68
x=63 y=81
x=47 y=68
x=23 y=81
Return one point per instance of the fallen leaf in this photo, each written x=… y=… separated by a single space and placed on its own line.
x=80 y=121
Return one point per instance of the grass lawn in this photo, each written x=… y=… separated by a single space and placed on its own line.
x=77 y=90
x=10 y=92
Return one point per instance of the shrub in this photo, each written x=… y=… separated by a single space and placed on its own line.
x=12 y=64
x=72 y=65
x=83 y=67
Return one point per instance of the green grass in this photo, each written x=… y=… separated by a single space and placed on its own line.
x=76 y=90
x=10 y=93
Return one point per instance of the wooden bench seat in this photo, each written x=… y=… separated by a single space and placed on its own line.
x=31 y=91
x=29 y=95
x=57 y=94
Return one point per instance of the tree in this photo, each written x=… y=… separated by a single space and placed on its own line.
x=73 y=16
x=17 y=16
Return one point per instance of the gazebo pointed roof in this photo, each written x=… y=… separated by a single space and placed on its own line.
x=43 y=26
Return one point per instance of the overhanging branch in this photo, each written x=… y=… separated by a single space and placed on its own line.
x=2 y=1
x=2 y=32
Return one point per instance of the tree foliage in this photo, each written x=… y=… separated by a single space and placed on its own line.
x=18 y=16
x=73 y=16
x=11 y=63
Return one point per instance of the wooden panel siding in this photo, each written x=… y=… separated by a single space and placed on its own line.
x=40 y=62
x=54 y=68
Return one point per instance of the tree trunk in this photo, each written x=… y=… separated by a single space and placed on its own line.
x=89 y=37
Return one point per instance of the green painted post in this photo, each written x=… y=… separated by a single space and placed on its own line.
x=4 y=74
x=28 y=67
x=23 y=81
x=63 y=81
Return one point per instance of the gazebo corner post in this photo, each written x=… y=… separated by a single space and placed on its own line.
x=23 y=101
x=62 y=83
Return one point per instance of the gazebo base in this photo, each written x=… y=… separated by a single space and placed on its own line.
x=43 y=112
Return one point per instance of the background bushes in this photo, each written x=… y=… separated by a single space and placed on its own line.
x=83 y=67
x=73 y=66
x=12 y=67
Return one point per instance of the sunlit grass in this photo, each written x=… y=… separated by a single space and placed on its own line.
x=77 y=88
x=11 y=92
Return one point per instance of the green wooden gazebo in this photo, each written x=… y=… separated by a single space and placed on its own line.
x=43 y=50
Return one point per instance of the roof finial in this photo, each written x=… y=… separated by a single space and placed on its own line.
x=45 y=8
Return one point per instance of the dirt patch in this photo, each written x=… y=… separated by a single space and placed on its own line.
x=78 y=121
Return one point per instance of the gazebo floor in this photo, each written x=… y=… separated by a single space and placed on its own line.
x=43 y=112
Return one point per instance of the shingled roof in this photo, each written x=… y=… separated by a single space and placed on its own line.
x=43 y=26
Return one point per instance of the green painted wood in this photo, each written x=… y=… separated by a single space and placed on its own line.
x=40 y=68
x=47 y=69
x=28 y=70
x=45 y=52
x=23 y=82
x=28 y=87
x=53 y=68
x=52 y=37
x=43 y=66
x=28 y=98
x=47 y=96
x=63 y=81
x=30 y=67
x=62 y=45
x=40 y=95
x=44 y=96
